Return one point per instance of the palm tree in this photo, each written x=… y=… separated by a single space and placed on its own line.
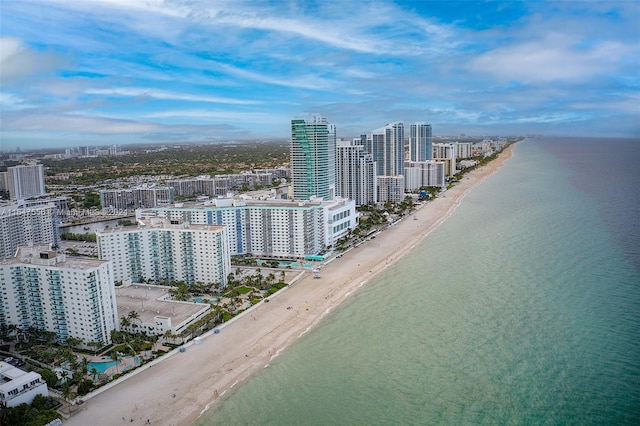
x=94 y=373
x=133 y=315
x=84 y=366
x=115 y=356
x=125 y=322
x=95 y=345
x=63 y=376
x=73 y=341
x=68 y=394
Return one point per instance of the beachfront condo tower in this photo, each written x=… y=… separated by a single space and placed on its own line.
x=356 y=172
x=167 y=251
x=420 y=142
x=27 y=225
x=272 y=228
x=70 y=296
x=313 y=158
x=386 y=145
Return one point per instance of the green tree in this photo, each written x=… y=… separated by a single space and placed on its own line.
x=91 y=199
x=125 y=322
x=73 y=341
x=95 y=345
x=94 y=373
x=68 y=394
x=49 y=376
x=133 y=315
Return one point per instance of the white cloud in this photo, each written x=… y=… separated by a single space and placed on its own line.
x=161 y=94
x=308 y=81
x=73 y=123
x=231 y=116
x=556 y=57
x=17 y=61
x=11 y=102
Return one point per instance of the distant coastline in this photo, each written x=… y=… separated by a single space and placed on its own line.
x=184 y=385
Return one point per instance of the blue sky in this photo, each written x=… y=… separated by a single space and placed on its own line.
x=92 y=72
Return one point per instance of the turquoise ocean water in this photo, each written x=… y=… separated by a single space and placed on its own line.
x=522 y=308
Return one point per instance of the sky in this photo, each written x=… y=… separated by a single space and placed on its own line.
x=98 y=72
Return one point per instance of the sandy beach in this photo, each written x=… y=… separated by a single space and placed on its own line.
x=176 y=389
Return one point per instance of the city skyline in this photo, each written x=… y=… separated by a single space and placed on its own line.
x=103 y=72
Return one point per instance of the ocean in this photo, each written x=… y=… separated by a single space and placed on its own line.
x=522 y=308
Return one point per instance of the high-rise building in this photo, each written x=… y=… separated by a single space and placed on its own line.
x=463 y=150
x=446 y=152
x=135 y=198
x=313 y=156
x=387 y=148
x=71 y=297
x=420 y=142
x=25 y=181
x=219 y=185
x=18 y=226
x=423 y=173
x=356 y=173
x=390 y=188
x=167 y=251
x=274 y=228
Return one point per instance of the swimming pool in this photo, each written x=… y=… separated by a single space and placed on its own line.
x=103 y=366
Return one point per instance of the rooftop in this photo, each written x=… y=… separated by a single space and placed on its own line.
x=148 y=302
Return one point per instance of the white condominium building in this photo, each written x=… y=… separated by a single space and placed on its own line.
x=25 y=181
x=68 y=296
x=19 y=226
x=201 y=185
x=446 y=152
x=135 y=198
x=219 y=185
x=424 y=173
x=463 y=150
x=390 y=188
x=167 y=251
x=386 y=145
x=356 y=173
x=273 y=228
x=420 y=142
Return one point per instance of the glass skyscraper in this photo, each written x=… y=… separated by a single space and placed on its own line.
x=420 y=142
x=387 y=149
x=313 y=158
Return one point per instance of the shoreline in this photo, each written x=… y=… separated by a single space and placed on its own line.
x=179 y=388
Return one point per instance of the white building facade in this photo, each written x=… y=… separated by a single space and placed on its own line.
x=271 y=228
x=386 y=145
x=25 y=181
x=424 y=173
x=390 y=188
x=356 y=173
x=135 y=198
x=420 y=141
x=463 y=150
x=446 y=152
x=167 y=251
x=18 y=386
x=71 y=297
x=19 y=226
